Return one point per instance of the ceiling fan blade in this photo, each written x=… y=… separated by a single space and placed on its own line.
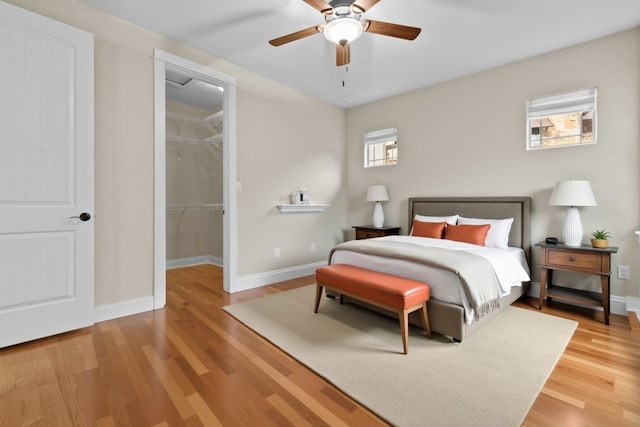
x=321 y=6
x=343 y=54
x=364 y=5
x=295 y=36
x=392 y=30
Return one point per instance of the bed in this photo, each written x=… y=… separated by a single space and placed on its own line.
x=454 y=310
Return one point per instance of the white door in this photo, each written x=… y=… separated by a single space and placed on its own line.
x=46 y=177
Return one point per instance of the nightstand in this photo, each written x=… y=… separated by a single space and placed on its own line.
x=369 y=231
x=578 y=259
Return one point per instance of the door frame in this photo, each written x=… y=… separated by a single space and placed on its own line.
x=162 y=61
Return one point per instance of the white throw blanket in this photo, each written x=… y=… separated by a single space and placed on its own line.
x=485 y=273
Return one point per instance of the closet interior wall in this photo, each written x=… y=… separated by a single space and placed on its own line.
x=194 y=185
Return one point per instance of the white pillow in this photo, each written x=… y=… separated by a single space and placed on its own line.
x=498 y=235
x=448 y=219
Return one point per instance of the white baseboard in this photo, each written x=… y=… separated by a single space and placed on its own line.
x=256 y=280
x=140 y=305
x=186 y=262
x=124 y=308
x=617 y=304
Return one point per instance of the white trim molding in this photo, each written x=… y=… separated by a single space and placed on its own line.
x=122 y=309
x=162 y=61
x=196 y=260
x=262 y=279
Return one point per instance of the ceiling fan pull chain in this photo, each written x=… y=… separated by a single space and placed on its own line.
x=346 y=71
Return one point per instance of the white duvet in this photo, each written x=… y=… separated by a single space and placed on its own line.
x=509 y=265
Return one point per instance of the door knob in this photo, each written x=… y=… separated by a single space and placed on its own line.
x=84 y=216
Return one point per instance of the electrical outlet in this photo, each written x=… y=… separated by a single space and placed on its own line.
x=312 y=247
x=623 y=272
x=276 y=252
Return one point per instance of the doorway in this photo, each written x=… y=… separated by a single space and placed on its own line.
x=221 y=140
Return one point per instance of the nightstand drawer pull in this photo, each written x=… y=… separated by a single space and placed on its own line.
x=571 y=259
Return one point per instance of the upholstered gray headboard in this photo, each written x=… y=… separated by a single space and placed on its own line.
x=518 y=208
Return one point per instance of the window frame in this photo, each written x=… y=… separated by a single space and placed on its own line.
x=381 y=138
x=582 y=102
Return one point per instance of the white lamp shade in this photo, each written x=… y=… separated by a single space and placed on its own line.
x=572 y=193
x=377 y=193
x=346 y=28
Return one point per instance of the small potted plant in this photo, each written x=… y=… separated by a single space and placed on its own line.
x=600 y=239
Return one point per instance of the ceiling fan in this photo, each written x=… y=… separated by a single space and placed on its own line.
x=344 y=24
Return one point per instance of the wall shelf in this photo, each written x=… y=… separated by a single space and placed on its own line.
x=302 y=208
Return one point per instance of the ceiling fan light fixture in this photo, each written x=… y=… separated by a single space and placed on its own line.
x=340 y=29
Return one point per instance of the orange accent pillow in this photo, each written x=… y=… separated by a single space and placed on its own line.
x=474 y=234
x=428 y=229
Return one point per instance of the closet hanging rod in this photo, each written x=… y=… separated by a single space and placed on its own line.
x=212 y=140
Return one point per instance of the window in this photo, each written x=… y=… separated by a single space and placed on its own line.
x=381 y=148
x=563 y=120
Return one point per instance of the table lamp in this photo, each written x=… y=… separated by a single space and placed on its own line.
x=377 y=193
x=572 y=194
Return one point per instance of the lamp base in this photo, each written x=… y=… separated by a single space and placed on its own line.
x=378 y=215
x=572 y=232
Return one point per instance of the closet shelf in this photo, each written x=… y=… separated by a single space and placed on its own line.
x=210 y=122
x=302 y=208
x=213 y=119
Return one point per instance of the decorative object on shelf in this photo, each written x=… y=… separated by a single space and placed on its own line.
x=378 y=194
x=572 y=194
x=300 y=196
x=600 y=239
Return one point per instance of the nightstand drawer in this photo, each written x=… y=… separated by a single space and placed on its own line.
x=368 y=234
x=574 y=260
x=369 y=231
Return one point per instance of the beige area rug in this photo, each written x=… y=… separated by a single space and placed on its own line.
x=490 y=379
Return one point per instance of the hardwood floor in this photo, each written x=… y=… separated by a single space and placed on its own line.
x=192 y=364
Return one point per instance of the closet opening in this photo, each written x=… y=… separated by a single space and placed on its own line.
x=195 y=171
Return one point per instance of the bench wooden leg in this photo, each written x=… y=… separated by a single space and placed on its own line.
x=425 y=319
x=318 y=296
x=404 y=315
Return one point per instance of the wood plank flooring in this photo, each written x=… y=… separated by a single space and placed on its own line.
x=192 y=364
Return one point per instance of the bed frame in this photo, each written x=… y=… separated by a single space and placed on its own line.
x=448 y=319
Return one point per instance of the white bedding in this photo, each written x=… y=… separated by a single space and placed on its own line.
x=510 y=266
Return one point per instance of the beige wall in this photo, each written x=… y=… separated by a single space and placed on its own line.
x=467 y=137
x=285 y=139
x=288 y=142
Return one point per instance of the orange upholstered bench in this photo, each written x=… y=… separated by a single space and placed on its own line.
x=394 y=293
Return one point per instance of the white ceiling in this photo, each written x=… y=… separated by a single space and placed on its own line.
x=459 y=37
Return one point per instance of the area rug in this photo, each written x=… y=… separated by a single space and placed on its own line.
x=491 y=378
